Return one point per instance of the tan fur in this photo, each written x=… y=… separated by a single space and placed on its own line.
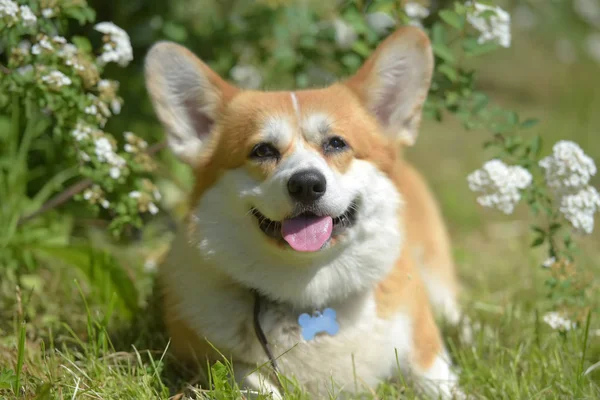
x=239 y=116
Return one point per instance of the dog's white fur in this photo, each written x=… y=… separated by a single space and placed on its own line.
x=223 y=253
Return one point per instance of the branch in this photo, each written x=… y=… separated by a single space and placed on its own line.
x=76 y=188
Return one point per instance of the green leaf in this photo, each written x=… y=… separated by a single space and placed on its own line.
x=538 y=241
x=105 y=274
x=175 y=31
x=449 y=72
x=438 y=34
x=7 y=378
x=529 y=123
x=361 y=48
x=82 y=43
x=444 y=52
x=482 y=49
x=536 y=145
x=452 y=19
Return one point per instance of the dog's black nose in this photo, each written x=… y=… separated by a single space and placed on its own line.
x=307 y=185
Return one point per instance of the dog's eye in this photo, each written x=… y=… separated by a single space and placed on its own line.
x=263 y=151
x=334 y=144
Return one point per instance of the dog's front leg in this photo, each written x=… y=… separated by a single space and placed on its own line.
x=254 y=382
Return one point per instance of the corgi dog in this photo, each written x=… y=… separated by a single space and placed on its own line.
x=304 y=207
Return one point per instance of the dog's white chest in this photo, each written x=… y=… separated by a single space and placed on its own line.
x=365 y=350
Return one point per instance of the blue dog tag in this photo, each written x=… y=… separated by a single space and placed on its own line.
x=318 y=322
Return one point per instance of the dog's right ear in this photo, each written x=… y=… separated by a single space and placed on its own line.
x=187 y=97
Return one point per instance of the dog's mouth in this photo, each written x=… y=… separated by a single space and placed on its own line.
x=307 y=231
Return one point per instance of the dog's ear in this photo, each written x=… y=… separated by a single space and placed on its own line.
x=393 y=83
x=187 y=96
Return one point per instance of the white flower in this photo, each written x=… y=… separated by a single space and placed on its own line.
x=115 y=173
x=492 y=28
x=129 y=148
x=345 y=35
x=104 y=84
x=246 y=76
x=105 y=153
x=416 y=12
x=24 y=69
x=380 y=22
x=549 y=262
x=115 y=106
x=568 y=168
x=9 y=8
x=47 y=13
x=92 y=110
x=499 y=185
x=152 y=208
x=588 y=10
x=59 y=40
x=56 y=79
x=579 y=208
x=104 y=203
x=24 y=46
x=156 y=194
x=27 y=16
x=81 y=131
x=118 y=49
x=44 y=43
x=88 y=194
x=592 y=45
x=558 y=322
x=84 y=156
x=135 y=194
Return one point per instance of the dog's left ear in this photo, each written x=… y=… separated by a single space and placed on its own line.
x=393 y=83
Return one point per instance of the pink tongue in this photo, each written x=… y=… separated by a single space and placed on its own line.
x=307 y=233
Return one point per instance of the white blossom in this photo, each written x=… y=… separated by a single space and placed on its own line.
x=588 y=10
x=592 y=45
x=152 y=208
x=47 y=13
x=84 y=156
x=43 y=43
x=115 y=106
x=56 y=79
x=135 y=194
x=9 y=9
x=246 y=76
x=549 y=262
x=499 y=185
x=115 y=172
x=24 y=46
x=104 y=84
x=493 y=28
x=105 y=153
x=91 y=110
x=380 y=22
x=416 y=12
x=156 y=194
x=568 y=167
x=118 y=48
x=27 y=16
x=88 y=194
x=104 y=203
x=558 y=322
x=81 y=131
x=345 y=35
x=24 y=69
x=579 y=208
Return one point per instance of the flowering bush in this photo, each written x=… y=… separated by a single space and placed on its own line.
x=58 y=82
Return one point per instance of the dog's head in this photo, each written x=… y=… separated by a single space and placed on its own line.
x=295 y=192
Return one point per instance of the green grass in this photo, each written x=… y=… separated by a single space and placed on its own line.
x=61 y=338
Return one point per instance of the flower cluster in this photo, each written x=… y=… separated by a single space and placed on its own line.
x=117 y=46
x=568 y=172
x=416 y=12
x=11 y=14
x=558 y=322
x=493 y=23
x=56 y=80
x=499 y=185
x=146 y=197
